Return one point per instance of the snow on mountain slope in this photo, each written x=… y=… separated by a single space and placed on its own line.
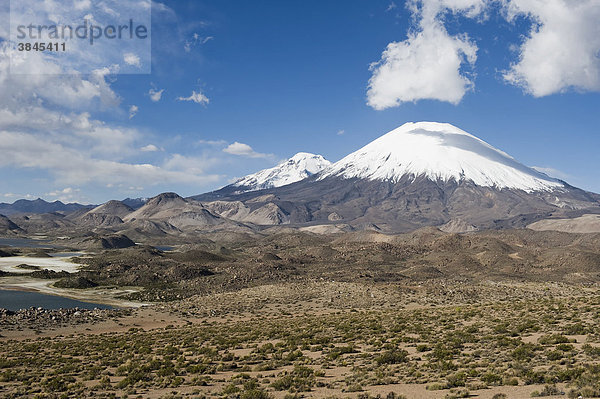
x=439 y=151
x=298 y=167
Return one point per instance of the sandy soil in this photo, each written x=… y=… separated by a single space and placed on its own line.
x=583 y=224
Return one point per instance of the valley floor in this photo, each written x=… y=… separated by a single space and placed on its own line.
x=322 y=338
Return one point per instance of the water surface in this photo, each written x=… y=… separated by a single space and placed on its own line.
x=164 y=248
x=15 y=300
x=25 y=243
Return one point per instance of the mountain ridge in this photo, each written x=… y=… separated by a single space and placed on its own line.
x=414 y=176
x=39 y=206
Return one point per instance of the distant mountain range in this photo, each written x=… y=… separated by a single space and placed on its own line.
x=38 y=206
x=420 y=174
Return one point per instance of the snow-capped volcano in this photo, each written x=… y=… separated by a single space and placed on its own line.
x=298 y=167
x=439 y=151
x=420 y=174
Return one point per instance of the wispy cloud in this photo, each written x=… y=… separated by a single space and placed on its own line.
x=133 y=110
x=67 y=194
x=196 y=40
x=132 y=59
x=552 y=172
x=149 y=148
x=28 y=151
x=155 y=95
x=197 y=97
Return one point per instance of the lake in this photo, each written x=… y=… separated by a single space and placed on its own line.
x=164 y=248
x=25 y=243
x=15 y=300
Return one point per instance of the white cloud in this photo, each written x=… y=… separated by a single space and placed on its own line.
x=562 y=50
x=83 y=55
x=44 y=81
x=25 y=150
x=46 y=126
x=341 y=132
x=68 y=194
x=245 y=150
x=196 y=97
x=391 y=6
x=429 y=63
x=13 y=196
x=155 y=95
x=149 y=148
x=133 y=110
x=132 y=59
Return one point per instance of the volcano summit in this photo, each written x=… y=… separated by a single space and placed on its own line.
x=421 y=174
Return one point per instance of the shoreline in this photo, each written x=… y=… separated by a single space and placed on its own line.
x=98 y=295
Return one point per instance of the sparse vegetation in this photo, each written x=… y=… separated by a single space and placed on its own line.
x=345 y=320
x=298 y=354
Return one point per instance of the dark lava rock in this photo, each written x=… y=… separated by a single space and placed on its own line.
x=116 y=242
x=27 y=267
x=49 y=274
x=75 y=282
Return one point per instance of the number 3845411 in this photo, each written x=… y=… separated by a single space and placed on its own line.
x=42 y=46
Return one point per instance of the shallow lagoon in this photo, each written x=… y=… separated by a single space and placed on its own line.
x=15 y=300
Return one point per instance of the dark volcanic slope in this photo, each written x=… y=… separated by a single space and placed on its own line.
x=7 y=225
x=412 y=202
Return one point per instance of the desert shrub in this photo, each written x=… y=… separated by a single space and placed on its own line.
x=576 y=329
x=356 y=387
x=423 y=348
x=58 y=383
x=463 y=393
x=252 y=390
x=339 y=351
x=301 y=379
x=524 y=352
x=512 y=381
x=491 y=378
x=394 y=356
x=457 y=380
x=592 y=351
x=555 y=355
x=436 y=387
x=549 y=390
x=552 y=339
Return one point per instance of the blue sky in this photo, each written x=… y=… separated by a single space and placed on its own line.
x=237 y=86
